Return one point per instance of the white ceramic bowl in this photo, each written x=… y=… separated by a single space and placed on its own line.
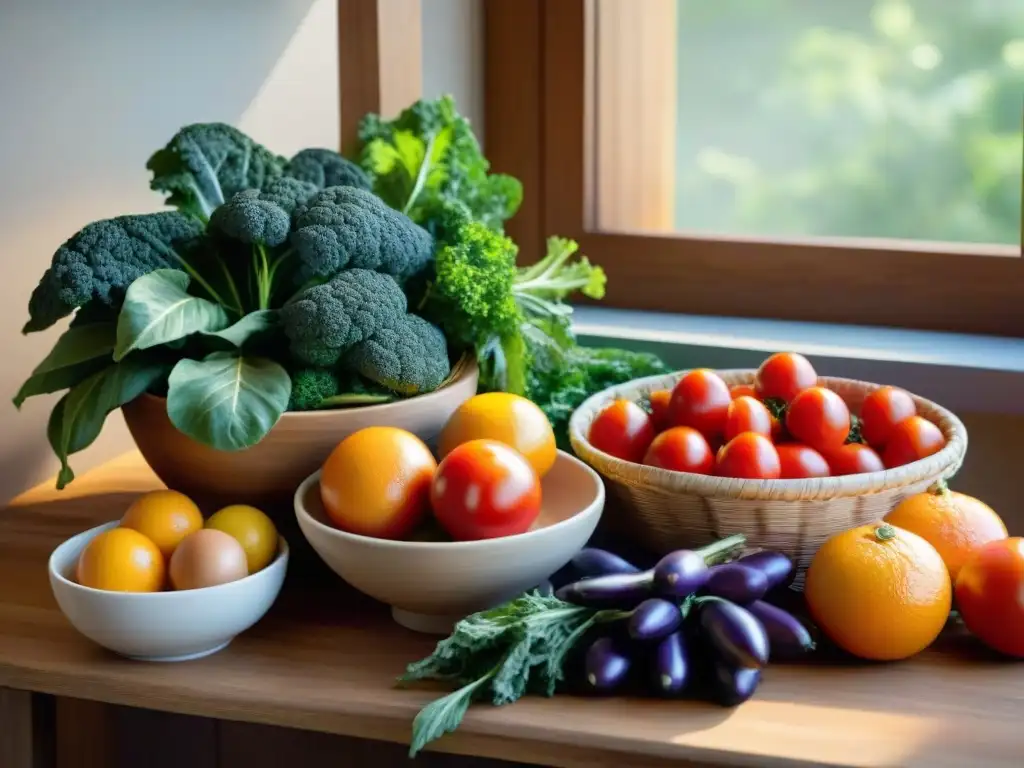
x=162 y=626
x=431 y=585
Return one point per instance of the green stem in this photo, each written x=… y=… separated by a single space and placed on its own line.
x=721 y=550
x=421 y=176
x=202 y=281
x=231 y=286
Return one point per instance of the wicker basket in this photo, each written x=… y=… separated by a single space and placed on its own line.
x=666 y=510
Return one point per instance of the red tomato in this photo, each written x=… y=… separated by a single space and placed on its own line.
x=742 y=390
x=623 y=430
x=784 y=375
x=681 y=449
x=750 y=456
x=799 y=461
x=882 y=410
x=746 y=414
x=854 y=459
x=988 y=595
x=818 y=417
x=484 y=489
x=912 y=439
x=660 y=401
x=701 y=400
x=778 y=430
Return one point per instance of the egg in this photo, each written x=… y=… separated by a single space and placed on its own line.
x=206 y=558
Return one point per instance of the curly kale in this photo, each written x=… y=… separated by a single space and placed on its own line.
x=206 y=164
x=350 y=228
x=326 y=168
x=99 y=263
x=408 y=357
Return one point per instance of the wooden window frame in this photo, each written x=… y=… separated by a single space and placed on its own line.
x=539 y=103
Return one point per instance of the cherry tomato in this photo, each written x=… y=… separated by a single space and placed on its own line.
x=750 y=456
x=660 y=401
x=912 y=439
x=701 y=400
x=818 y=417
x=988 y=595
x=681 y=449
x=746 y=414
x=881 y=411
x=799 y=461
x=484 y=489
x=784 y=375
x=742 y=390
x=854 y=459
x=623 y=430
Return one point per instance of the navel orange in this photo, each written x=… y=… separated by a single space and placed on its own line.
x=879 y=592
x=165 y=517
x=954 y=523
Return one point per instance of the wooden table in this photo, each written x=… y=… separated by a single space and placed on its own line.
x=323 y=662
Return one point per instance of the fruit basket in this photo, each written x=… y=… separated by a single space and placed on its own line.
x=667 y=510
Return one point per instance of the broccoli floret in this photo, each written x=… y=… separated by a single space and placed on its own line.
x=310 y=387
x=350 y=228
x=326 y=168
x=251 y=218
x=408 y=357
x=104 y=258
x=322 y=322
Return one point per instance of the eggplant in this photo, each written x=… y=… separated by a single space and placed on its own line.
x=679 y=574
x=599 y=562
x=670 y=668
x=787 y=637
x=774 y=565
x=735 y=634
x=654 y=618
x=606 y=666
x=731 y=686
x=619 y=590
x=737 y=583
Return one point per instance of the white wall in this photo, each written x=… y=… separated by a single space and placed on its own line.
x=90 y=89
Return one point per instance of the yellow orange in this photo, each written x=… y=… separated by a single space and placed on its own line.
x=252 y=529
x=165 y=517
x=509 y=419
x=879 y=592
x=122 y=560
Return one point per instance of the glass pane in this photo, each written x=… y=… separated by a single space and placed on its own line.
x=853 y=118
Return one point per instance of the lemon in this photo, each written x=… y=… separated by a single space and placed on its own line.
x=252 y=529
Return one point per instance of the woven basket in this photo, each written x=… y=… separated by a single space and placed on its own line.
x=666 y=510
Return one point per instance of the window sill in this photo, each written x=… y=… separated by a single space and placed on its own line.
x=965 y=373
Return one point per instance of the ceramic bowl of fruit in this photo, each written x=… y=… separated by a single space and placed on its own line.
x=495 y=512
x=162 y=584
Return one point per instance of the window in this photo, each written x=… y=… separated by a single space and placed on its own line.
x=852 y=161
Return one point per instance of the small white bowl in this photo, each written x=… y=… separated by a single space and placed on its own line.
x=162 y=626
x=431 y=585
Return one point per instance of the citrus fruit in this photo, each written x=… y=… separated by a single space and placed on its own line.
x=207 y=558
x=988 y=595
x=376 y=482
x=509 y=419
x=252 y=529
x=165 y=517
x=954 y=523
x=879 y=592
x=121 y=560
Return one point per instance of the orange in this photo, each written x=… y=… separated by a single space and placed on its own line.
x=509 y=419
x=165 y=517
x=954 y=523
x=376 y=482
x=121 y=560
x=879 y=592
x=252 y=529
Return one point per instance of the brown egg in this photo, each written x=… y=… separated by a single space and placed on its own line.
x=206 y=558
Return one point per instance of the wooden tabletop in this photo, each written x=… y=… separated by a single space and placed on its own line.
x=323 y=661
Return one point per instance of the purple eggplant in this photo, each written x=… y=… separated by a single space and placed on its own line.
x=774 y=565
x=787 y=637
x=619 y=590
x=735 y=634
x=654 y=618
x=737 y=583
x=681 y=573
x=731 y=686
x=671 y=668
x=605 y=665
x=599 y=562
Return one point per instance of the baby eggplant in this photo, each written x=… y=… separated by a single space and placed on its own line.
x=599 y=562
x=605 y=665
x=618 y=590
x=737 y=583
x=654 y=618
x=776 y=567
x=671 y=668
x=735 y=634
x=731 y=686
x=679 y=574
x=787 y=637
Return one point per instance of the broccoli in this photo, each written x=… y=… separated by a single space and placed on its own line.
x=322 y=322
x=408 y=357
x=206 y=164
x=99 y=263
x=326 y=168
x=310 y=387
x=252 y=218
x=347 y=227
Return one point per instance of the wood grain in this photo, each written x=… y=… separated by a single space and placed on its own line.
x=26 y=729
x=325 y=660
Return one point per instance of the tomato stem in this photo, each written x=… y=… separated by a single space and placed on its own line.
x=885 y=532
